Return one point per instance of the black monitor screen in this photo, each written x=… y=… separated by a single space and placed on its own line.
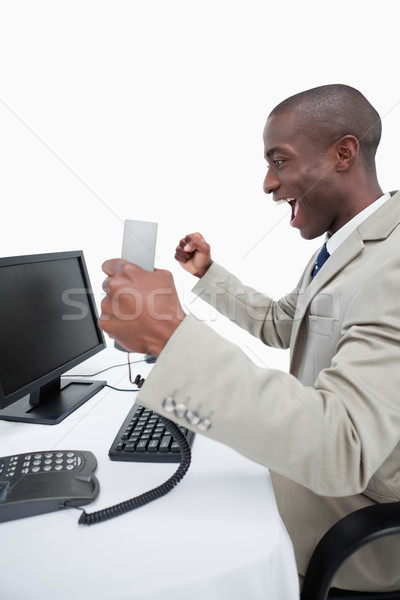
x=48 y=320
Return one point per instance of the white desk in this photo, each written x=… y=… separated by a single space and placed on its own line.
x=216 y=536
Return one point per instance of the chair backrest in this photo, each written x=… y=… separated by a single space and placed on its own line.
x=341 y=541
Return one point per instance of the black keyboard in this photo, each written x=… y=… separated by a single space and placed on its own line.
x=143 y=437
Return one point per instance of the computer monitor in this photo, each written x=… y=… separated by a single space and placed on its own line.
x=48 y=325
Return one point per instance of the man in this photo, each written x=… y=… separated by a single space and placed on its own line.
x=329 y=431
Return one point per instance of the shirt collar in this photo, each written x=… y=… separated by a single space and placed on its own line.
x=333 y=242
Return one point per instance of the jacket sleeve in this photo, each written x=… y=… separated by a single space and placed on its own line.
x=325 y=438
x=339 y=437
x=269 y=320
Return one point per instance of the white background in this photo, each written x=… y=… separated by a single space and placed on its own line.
x=154 y=110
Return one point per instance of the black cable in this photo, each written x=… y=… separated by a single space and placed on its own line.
x=119 y=389
x=139 y=380
x=154 y=494
x=106 y=369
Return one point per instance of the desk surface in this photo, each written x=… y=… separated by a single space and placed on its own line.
x=217 y=535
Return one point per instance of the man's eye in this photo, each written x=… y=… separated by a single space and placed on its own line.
x=278 y=162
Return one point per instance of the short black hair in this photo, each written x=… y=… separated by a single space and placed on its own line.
x=327 y=113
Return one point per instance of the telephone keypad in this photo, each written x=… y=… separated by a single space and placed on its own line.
x=24 y=464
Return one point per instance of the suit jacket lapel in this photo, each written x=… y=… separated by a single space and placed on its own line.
x=377 y=226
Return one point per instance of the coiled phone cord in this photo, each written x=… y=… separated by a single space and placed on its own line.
x=155 y=493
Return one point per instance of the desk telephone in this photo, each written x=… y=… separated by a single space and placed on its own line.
x=39 y=482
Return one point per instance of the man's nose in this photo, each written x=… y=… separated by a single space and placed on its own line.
x=271 y=183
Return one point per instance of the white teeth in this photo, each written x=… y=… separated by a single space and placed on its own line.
x=284 y=201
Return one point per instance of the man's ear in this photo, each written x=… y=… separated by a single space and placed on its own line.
x=347 y=150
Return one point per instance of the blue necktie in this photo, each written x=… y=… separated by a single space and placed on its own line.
x=321 y=259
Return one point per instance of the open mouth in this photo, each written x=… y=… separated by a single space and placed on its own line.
x=293 y=204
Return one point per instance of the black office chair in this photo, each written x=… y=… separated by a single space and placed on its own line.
x=343 y=539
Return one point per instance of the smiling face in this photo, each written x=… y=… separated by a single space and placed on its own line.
x=301 y=174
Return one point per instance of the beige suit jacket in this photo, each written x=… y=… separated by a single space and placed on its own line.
x=331 y=427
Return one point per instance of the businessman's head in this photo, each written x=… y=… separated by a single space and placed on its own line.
x=320 y=146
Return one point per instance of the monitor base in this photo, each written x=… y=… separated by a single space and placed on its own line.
x=62 y=403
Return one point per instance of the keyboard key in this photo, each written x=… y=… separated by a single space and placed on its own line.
x=165 y=443
x=141 y=446
x=130 y=447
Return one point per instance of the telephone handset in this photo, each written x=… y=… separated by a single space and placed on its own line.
x=39 y=482
x=139 y=247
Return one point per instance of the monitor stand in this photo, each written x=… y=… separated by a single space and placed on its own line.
x=53 y=402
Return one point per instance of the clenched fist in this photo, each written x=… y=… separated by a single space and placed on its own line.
x=193 y=253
